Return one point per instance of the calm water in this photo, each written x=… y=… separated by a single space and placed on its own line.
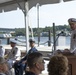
x=42 y=40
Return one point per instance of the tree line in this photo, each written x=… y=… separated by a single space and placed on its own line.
x=22 y=31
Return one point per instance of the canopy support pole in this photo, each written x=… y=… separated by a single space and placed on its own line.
x=27 y=24
x=26 y=16
x=54 y=38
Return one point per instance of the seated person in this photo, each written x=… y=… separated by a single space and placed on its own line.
x=14 y=54
x=3 y=67
x=35 y=63
x=21 y=65
x=2 y=51
x=64 y=52
x=57 y=52
x=58 y=65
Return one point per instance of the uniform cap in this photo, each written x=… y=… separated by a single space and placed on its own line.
x=13 y=41
x=31 y=40
x=72 y=20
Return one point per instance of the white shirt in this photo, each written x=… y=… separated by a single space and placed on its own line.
x=13 y=55
x=2 y=51
x=73 y=40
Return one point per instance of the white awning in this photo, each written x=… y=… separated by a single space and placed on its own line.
x=8 y=5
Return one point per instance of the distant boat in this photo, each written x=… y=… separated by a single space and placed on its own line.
x=2 y=36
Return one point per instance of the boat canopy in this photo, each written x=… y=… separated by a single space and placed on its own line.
x=8 y=5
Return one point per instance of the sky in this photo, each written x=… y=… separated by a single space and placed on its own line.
x=48 y=14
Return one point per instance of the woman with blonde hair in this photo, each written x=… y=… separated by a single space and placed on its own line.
x=58 y=65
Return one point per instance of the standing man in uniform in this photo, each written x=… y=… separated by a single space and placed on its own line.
x=22 y=63
x=72 y=23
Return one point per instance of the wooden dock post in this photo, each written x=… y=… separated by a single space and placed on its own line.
x=49 y=39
